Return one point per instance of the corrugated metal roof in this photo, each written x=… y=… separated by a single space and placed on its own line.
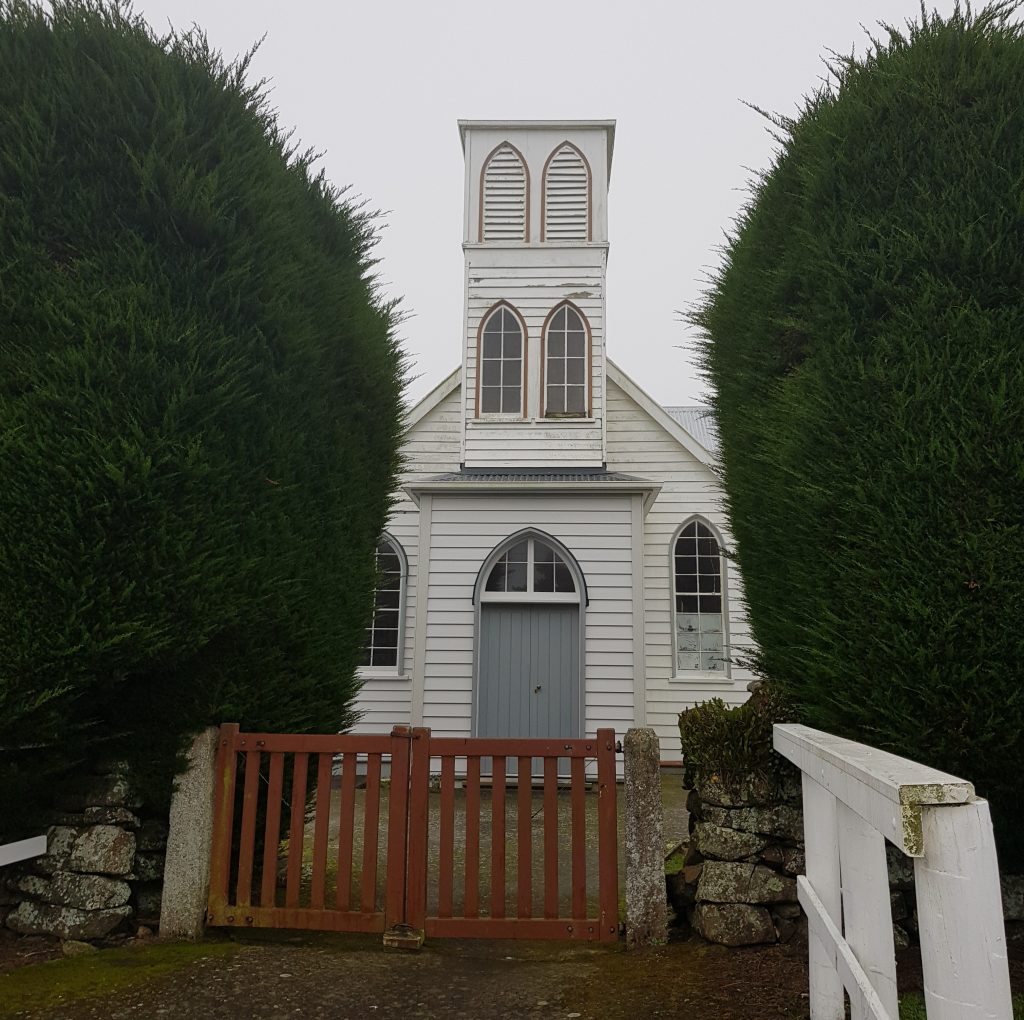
x=535 y=475
x=697 y=420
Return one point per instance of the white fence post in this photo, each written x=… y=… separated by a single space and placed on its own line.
x=23 y=850
x=821 y=841
x=867 y=912
x=960 y=914
x=855 y=798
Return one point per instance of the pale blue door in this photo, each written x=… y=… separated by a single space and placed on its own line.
x=528 y=682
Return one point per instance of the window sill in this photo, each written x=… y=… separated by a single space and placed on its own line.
x=499 y=419
x=382 y=673
x=704 y=679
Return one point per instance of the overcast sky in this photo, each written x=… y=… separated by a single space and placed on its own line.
x=378 y=87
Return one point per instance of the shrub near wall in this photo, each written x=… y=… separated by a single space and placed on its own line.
x=864 y=342
x=199 y=407
x=738 y=885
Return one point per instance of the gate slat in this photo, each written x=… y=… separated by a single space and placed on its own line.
x=524 y=819
x=296 y=830
x=247 y=837
x=498 y=838
x=578 y=793
x=446 y=865
x=551 y=837
x=371 y=823
x=471 y=900
x=272 y=831
x=321 y=825
x=346 y=826
x=607 y=838
x=419 y=805
x=398 y=819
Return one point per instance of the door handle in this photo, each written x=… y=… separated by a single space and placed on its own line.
x=536 y=689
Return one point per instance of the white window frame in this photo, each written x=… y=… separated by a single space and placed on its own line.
x=520 y=413
x=704 y=676
x=530 y=595
x=546 y=361
x=397 y=670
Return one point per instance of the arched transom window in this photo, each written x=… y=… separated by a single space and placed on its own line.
x=566 y=196
x=504 y=212
x=530 y=570
x=565 y=364
x=384 y=634
x=697 y=591
x=501 y=363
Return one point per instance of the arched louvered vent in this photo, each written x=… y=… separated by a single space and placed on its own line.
x=504 y=211
x=567 y=196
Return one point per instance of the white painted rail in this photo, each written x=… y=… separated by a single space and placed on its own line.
x=23 y=850
x=855 y=798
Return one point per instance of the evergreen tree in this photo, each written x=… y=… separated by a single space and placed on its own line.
x=199 y=405
x=864 y=338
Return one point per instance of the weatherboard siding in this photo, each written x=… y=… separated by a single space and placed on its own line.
x=432 y=446
x=639 y=445
x=595 y=529
x=535 y=281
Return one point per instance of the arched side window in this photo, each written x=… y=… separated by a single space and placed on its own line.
x=566 y=365
x=505 y=196
x=529 y=569
x=384 y=636
x=698 y=574
x=565 y=212
x=500 y=363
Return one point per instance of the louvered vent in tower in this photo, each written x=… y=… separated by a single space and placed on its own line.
x=505 y=197
x=567 y=196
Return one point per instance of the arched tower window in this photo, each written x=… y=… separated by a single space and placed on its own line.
x=698 y=593
x=505 y=196
x=565 y=215
x=566 y=364
x=384 y=642
x=501 y=354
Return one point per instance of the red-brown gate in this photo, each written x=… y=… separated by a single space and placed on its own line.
x=439 y=803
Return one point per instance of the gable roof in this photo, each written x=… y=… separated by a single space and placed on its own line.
x=697 y=420
x=445 y=388
x=690 y=425
x=671 y=425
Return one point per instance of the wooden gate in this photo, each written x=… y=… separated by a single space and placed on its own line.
x=415 y=833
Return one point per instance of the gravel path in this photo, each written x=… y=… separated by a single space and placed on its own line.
x=350 y=977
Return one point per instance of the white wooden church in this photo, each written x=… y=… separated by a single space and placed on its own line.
x=554 y=561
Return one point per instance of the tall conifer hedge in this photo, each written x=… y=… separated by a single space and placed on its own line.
x=199 y=406
x=866 y=341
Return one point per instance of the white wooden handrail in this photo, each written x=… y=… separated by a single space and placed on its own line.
x=855 y=798
x=23 y=850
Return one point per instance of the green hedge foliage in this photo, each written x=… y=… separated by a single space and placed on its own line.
x=199 y=405
x=734 y=742
x=866 y=341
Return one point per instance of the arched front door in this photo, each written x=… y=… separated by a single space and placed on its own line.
x=528 y=676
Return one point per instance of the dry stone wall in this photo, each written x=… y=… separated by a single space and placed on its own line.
x=102 y=870
x=738 y=885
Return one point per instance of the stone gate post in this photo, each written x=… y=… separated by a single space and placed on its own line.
x=189 y=842
x=646 y=905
